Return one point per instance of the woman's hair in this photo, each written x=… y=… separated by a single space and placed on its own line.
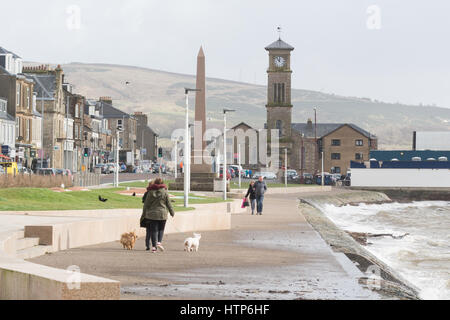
x=252 y=182
x=150 y=183
x=158 y=181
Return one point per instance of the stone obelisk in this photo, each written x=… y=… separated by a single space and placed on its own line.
x=200 y=97
x=202 y=178
x=198 y=165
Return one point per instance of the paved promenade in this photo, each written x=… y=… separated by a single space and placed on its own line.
x=274 y=256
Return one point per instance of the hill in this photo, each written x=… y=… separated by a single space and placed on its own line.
x=160 y=95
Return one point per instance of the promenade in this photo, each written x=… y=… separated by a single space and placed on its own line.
x=274 y=256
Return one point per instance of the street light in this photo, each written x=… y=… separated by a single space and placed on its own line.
x=225 y=111
x=116 y=178
x=187 y=154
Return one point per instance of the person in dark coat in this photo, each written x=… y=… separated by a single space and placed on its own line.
x=252 y=194
x=260 y=189
x=157 y=205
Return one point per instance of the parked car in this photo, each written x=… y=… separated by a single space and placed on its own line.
x=228 y=173
x=336 y=177
x=347 y=181
x=328 y=179
x=308 y=178
x=46 y=171
x=265 y=175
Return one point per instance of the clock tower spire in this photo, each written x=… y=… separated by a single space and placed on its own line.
x=279 y=107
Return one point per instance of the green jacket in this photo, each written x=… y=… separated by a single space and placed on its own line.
x=157 y=204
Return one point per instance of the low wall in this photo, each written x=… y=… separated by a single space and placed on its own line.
x=22 y=280
x=411 y=194
x=412 y=178
x=288 y=190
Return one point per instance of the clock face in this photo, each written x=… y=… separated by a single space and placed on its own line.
x=279 y=61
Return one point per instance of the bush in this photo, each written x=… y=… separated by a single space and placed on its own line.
x=34 y=181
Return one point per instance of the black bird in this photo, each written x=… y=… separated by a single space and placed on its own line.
x=101 y=199
x=134 y=194
x=127 y=82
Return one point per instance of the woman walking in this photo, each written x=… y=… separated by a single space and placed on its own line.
x=155 y=213
x=252 y=194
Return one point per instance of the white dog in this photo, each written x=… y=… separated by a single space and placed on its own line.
x=191 y=244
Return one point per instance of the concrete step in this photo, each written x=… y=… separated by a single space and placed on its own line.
x=20 y=234
x=26 y=243
x=33 y=252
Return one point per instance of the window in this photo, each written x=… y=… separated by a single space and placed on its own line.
x=336 y=170
x=18 y=95
x=359 y=143
x=17 y=128
x=335 y=142
x=28 y=98
x=359 y=156
x=28 y=129
x=335 y=156
x=279 y=94
x=76 y=111
x=279 y=126
x=119 y=123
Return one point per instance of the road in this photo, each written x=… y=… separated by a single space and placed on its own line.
x=109 y=178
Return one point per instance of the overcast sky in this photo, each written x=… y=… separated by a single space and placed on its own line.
x=390 y=50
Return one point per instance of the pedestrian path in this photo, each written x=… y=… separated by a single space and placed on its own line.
x=274 y=256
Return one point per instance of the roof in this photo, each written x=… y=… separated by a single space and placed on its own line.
x=324 y=129
x=110 y=112
x=4 y=71
x=407 y=155
x=45 y=85
x=279 y=45
x=4 y=51
x=242 y=124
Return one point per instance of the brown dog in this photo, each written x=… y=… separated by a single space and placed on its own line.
x=128 y=240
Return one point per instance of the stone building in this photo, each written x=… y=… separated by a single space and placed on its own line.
x=7 y=132
x=123 y=122
x=25 y=151
x=75 y=109
x=147 y=139
x=305 y=142
x=97 y=135
x=8 y=96
x=48 y=85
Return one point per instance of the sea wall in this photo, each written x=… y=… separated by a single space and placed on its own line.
x=411 y=194
x=391 y=283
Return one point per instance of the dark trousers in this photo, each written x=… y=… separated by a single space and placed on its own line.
x=259 y=203
x=155 y=232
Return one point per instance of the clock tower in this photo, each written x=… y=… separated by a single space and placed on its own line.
x=279 y=107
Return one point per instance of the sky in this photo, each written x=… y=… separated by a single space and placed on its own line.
x=389 y=50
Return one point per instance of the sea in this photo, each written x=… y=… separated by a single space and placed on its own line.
x=422 y=257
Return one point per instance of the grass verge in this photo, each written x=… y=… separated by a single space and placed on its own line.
x=40 y=199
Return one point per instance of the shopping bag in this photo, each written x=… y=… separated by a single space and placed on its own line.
x=245 y=203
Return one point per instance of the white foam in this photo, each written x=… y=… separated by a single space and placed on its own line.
x=422 y=257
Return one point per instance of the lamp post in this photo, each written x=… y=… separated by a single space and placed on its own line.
x=187 y=153
x=176 y=159
x=225 y=111
x=315 y=137
x=117 y=158
x=239 y=163
x=301 y=160
x=285 y=167
x=323 y=177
